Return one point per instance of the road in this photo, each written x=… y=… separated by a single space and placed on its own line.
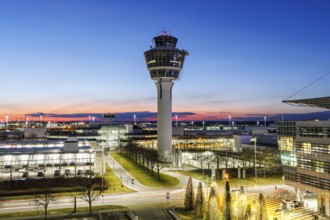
x=147 y=202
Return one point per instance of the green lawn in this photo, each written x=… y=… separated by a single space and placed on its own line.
x=143 y=175
x=110 y=179
x=51 y=212
x=114 y=183
x=269 y=180
x=186 y=215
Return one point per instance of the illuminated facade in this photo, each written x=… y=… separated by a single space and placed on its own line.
x=45 y=159
x=164 y=62
x=111 y=134
x=305 y=156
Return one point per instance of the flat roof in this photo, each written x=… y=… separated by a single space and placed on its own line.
x=321 y=102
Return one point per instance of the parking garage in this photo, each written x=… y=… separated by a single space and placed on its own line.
x=46 y=159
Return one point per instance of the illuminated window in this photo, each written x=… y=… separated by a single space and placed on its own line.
x=307 y=148
x=319 y=166
x=286 y=143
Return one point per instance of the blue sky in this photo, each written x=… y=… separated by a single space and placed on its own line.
x=78 y=56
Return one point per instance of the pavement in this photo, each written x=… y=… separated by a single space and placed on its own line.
x=150 y=202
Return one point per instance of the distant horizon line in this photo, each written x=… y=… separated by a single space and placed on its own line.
x=146 y=116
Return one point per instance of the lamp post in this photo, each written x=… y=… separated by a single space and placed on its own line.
x=265 y=119
x=229 y=118
x=134 y=117
x=176 y=120
x=192 y=125
x=27 y=122
x=203 y=124
x=207 y=186
x=102 y=170
x=7 y=117
x=255 y=158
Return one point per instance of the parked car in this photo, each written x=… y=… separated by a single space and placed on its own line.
x=22 y=170
x=89 y=173
x=40 y=175
x=80 y=173
x=57 y=173
x=7 y=169
x=25 y=175
x=67 y=173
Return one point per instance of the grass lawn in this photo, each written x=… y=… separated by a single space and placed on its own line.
x=269 y=180
x=114 y=183
x=51 y=212
x=186 y=215
x=143 y=174
x=110 y=178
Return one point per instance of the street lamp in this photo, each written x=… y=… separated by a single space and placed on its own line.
x=192 y=125
x=229 y=117
x=203 y=124
x=226 y=176
x=134 y=116
x=27 y=122
x=255 y=158
x=93 y=118
x=265 y=119
x=7 y=122
x=176 y=120
x=102 y=170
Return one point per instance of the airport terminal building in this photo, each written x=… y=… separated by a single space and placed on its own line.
x=305 y=154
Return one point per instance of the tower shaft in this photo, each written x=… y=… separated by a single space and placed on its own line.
x=164 y=124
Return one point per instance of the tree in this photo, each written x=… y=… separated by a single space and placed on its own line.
x=219 y=159
x=248 y=212
x=261 y=208
x=44 y=200
x=213 y=210
x=200 y=202
x=159 y=163
x=227 y=203
x=247 y=155
x=91 y=193
x=216 y=193
x=189 y=197
x=269 y=160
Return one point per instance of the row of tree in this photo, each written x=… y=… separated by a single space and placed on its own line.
x=266 y=160
x=221 y=207
x=92 y=191
x=145 y=157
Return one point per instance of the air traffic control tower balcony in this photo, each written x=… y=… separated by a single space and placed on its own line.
x=164 y=60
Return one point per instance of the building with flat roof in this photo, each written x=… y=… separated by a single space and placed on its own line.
x=45 y=159
x=305 y=154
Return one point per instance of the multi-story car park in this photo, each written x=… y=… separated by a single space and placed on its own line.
x=305 y=155
x=41 y=159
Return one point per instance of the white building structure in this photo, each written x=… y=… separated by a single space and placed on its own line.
x=164 y=62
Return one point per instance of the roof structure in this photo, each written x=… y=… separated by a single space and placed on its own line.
x=321 y=102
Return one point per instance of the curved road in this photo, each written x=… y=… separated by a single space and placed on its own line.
x=147 y=202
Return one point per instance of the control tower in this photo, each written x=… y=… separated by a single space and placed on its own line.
x=164 y=62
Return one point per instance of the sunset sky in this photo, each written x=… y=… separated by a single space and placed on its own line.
x=86 y=56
